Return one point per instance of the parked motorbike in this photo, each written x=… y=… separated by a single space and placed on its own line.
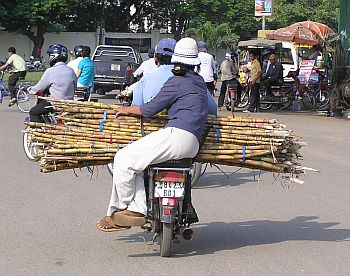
x=281 y=97
x=231 y=100
x=36 y=64
x=170 y=212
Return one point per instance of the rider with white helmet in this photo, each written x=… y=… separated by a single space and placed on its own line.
x=59 y=81
x=78 y=57
x=229 y=73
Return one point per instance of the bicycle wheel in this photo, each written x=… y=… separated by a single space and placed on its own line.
x=30 y=149
x=166 y=239
x=25 y=101
x=322 y=100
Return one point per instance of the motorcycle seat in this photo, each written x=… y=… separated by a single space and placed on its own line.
x=185 y=163
x=21 y=78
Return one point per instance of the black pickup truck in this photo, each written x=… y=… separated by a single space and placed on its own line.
x=114 y=67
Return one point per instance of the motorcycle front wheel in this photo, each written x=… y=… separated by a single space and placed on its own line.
x=166 y=239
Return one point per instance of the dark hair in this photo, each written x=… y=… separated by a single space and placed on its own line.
x=86 y=51
x=181 y=69
x=162 y=59
x=12 y=50
x=254 y=53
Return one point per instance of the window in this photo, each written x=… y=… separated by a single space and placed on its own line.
x=286 y=56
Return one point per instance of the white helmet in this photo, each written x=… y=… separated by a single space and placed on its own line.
x=228 y=56
x=186 y=52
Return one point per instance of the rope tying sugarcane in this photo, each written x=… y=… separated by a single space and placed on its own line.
x=102 y=124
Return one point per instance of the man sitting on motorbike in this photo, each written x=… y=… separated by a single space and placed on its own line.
x=229 y=73
x=185 y=98
x=59 y=80
x=273 y=75
x=78 y=58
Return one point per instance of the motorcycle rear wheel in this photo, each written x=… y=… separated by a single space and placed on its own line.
x=166 y=239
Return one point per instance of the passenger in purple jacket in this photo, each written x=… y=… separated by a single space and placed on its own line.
x=185 y=98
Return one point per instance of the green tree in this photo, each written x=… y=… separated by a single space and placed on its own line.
x=34 y=18
x=287 y=12
x=216 y=36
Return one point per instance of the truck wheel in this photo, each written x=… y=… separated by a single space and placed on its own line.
x=166 y=239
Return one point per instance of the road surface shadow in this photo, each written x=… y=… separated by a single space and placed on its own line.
x=220 y=236
x=227 y=178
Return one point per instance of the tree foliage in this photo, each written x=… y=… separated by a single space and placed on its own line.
x=216 y=36
x=235 y=17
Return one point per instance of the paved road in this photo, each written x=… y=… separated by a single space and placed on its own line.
x=246 y=227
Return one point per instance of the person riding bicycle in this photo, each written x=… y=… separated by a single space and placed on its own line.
x=229 y=73
x=86 y=71
x=19 y=71
x=273 y=74
x=78 y=57
x=59 y=80
x=185 y=97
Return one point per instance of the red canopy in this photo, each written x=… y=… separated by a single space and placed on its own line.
x=305 y=32
x=294 y=33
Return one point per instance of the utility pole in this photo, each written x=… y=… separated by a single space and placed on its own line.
x=263 y=22
x=100 y=40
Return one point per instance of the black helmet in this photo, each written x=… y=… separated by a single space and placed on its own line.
x=57 y=53
x=78 y=50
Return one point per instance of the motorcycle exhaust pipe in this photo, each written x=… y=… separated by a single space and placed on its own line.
x=187 y=234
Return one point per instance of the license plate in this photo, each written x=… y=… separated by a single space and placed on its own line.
x=169 y=189
x=115 y=67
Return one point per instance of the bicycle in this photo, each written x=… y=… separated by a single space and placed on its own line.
x=25 y=101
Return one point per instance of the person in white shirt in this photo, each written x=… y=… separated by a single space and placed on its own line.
x=78 y=52
x=207 y=66
x=148 y=66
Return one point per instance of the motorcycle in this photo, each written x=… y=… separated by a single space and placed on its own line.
x=170 y=212
x=36 y=64
x=33 y=150
x=231 y=100
x=281 y=97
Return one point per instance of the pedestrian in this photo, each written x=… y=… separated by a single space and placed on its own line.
x=148 y=66
x=254 y=97
x=207 y=67
x=19 y=71
x=185 y=98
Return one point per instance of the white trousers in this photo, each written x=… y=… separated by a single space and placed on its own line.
x=128 y=191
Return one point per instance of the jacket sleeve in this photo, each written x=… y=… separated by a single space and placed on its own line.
x=43 y=84
x=163 y=100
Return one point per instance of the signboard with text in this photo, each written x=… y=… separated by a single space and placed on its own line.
x=263 y=7
x=140 y=44
x=306 y=68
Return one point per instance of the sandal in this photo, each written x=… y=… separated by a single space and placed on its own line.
x=107 y=225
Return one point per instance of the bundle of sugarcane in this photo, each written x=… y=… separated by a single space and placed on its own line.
x=91 y=134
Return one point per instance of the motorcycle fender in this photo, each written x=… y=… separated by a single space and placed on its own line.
x=167 y=214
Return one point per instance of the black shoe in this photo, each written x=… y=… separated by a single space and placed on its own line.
x=12 y=102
